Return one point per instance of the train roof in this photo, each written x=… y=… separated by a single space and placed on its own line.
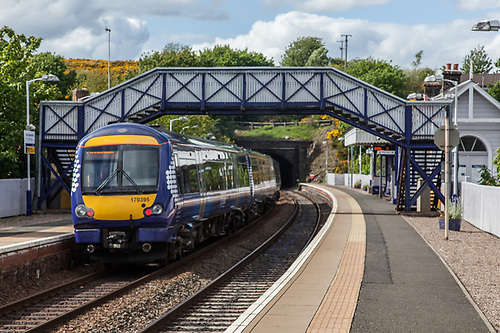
x=162 y=135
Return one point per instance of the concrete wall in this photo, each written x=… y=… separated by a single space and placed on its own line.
x=480 y=205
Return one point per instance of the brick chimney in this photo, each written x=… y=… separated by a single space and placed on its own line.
x=79 y=93
x=451 y=74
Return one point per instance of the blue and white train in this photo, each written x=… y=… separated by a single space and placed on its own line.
x=142 y=195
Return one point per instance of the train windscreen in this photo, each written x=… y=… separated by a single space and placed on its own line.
x=120 y=169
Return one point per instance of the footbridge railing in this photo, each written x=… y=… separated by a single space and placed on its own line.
x=240 y=91
x=262 y=90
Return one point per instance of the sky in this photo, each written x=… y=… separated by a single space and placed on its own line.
x=391 y=30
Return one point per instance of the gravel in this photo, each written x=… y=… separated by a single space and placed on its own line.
x=473 y=256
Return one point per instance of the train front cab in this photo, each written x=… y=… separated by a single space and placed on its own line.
x=120 y=201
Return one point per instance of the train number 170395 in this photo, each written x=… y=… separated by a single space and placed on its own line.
x=139 y=199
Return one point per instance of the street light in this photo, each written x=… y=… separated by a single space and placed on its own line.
x=486 y=25
x=29 y=130
x=180 y=118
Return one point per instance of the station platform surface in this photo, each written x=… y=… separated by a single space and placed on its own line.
x=29 y=232
x=367 y=271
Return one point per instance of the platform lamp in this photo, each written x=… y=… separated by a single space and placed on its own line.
x=326 y=160
x=29 y=129
x=435 y=78
x=438 y=77
x=182 y=118
x=486 y=25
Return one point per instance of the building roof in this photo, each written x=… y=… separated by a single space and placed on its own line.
x=483 y=80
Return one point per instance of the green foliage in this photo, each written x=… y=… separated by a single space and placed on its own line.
x=455 y=210
x=481 y=62
x=15 y=69
x=318 y=58
x=198 y=126
x=48 y=63
x=381 y=74
x=487 y=177
x=301 y=132
x=494 y=90
x=224 y=56
x=298 y=52
x=416 y=79
x=418 y=59
x=93 y=81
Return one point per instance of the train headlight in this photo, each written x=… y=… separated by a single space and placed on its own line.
x=156 y=209
x=83 y=211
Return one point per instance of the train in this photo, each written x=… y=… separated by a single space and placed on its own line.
x=141 y=194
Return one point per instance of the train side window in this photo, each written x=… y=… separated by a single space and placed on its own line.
x=189 y=176
x=229 y=176
x=243 y=175
x=208 y=177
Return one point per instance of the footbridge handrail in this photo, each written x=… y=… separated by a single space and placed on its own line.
x=246 y=90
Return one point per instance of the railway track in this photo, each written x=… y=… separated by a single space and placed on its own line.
x=219 y=304
x=46 y=310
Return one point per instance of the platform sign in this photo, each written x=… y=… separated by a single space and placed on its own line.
x=29 y=142
x=439 y=137
x=386 y=152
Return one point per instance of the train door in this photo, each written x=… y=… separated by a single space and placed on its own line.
x=203 y=183
x=180 y=186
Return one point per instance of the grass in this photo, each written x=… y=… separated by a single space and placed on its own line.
x=301 y=132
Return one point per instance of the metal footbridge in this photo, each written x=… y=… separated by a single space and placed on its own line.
x=244 y=91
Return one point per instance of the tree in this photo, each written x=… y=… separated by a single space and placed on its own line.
x=494 y=90
x=49 y=63
x=225 y=56
x=418 y=59
x=381 y=74
x=16 y=67
x=318 y=58
x=482 y=64
x=298 y=52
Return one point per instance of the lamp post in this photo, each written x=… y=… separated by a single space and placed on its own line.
x=108 y=30
x=326 y=157
x=29 y=129
x=439 y=78
x=179 y=118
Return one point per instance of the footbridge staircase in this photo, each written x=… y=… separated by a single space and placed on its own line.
x=244 y=91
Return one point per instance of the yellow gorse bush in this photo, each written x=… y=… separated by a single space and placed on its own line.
x=117 y=67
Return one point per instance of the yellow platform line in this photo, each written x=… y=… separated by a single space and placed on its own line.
x=337 y=309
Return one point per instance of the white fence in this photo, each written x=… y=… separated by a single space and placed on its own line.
x=480 y=203
x=349 y=180
x=13 y=196
x=481 y=207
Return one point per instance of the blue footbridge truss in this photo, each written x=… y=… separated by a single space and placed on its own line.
x=409 y=125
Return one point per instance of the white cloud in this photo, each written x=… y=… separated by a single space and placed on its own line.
x=75 y=28
x=442 y=43
x=331 y=6
x=337 y=5
x=470 y=5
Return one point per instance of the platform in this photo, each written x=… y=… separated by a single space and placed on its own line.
x=367 y=271
x=31 y=234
